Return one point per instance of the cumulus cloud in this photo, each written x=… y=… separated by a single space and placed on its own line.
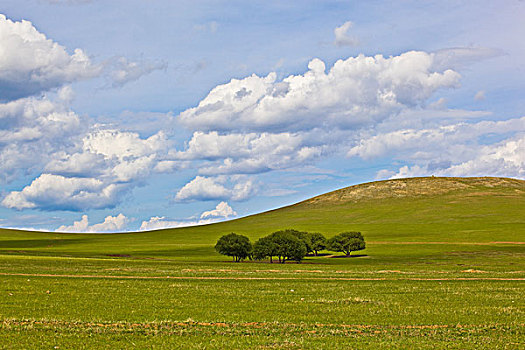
x=343 y=37
x=203 y=188
x=247 y=126
x=250 y=153
x=221 y=210
x=86 y=165
x=260 y=124
x=451 y=140
x=158 y=223
x=82 y=166
x=462 y=149
x=354 y=92
x=506 y=158
x=56 y=192
x=31 y=132
x=31 y=63
x=110 y=224
x=94 y=173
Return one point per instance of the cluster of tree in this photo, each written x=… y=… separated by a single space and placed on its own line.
x=287 y=245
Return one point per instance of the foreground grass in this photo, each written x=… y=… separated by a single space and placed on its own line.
x=150 y=303
x=191 y=335
x=443 y=270
x=313 y=312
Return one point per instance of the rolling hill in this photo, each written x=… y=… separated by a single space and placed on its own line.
x=430 y=209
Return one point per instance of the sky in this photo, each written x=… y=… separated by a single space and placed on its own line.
x=145 y=114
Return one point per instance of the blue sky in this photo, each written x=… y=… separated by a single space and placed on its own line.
x=126 y=115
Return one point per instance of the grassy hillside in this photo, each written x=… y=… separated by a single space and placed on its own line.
x=454 y=210
x=444 y=267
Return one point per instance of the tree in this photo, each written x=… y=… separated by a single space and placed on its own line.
x=237 y=246
x=347 y=242
x=263 y=248
x=282 y=244
x=314 y=242
x=302 y=236
x=317 y=242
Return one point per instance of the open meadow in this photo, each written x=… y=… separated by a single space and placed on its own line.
x=444 y=267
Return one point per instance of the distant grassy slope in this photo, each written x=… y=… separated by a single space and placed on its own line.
x=455 y=210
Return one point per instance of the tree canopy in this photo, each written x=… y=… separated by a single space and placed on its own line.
x=287 y=245
x=282 y=244
x=237 y=246
x=347 y=242
x=314 y=242
x=317 y=242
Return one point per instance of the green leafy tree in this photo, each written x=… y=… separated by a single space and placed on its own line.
x=263 y=248
x=303 y=237
x=314 y=242
x=237 y=246
x=317 y=242
x=347 y=242
x=282 y=244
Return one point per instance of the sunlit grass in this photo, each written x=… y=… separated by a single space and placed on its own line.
x=443 y=271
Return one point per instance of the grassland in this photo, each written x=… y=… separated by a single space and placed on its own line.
x=444 y=268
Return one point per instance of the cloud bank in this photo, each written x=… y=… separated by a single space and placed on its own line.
x=110 y=224
x=222 y=211
x=31 y=63
x=363 y=107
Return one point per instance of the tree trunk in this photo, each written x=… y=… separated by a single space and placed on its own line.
x=271 y=260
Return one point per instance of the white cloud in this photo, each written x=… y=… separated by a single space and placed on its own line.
x=56 y=192
x=110 y=224
x=202 y=188
x=486 y=148
x=121 y=145
x=78 y=226
x=158 y=223
x=250 y=153
x=355 y=92
x=370 y=106
x=124 y=71
x=506 y=158
x=94 y=173
x=453 y=140
x=210 y=188
x=96 y=164
x=132 y=158
x=221 y=210
x=32 y=63
x=77 y=164
x=31 y=132
x=343 y=37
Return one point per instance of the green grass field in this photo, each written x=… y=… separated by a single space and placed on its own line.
x=444 y=268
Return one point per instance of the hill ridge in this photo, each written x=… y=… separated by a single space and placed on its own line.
x=418 y=187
